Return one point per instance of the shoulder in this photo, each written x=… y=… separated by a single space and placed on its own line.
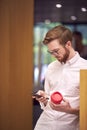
x=83 y=63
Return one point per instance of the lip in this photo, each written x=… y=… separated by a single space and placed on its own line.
x=58 y=58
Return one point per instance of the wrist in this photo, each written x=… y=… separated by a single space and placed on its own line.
x=74 y=111
x=45 y=102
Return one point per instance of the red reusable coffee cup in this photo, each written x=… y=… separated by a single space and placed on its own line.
x=56 y=97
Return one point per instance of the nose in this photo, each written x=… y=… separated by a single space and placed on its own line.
x=55 y=53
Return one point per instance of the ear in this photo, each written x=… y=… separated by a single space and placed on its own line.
x=68 y=44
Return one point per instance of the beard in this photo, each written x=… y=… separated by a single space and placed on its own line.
x=65 y=56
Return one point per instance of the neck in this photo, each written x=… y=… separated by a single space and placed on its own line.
x=72 y=54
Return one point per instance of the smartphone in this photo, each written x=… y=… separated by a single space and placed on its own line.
x=37 y=95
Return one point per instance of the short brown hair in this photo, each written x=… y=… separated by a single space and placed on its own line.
x=60 y=32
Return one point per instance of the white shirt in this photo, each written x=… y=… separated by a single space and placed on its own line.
x=64 y=78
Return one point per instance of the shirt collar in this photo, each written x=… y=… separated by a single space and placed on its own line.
x=74 y=59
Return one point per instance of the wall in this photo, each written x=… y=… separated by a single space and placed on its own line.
x=16 y=64
x=83 y=100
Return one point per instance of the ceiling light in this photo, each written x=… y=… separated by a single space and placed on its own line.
x=58 y=5
x=73 y=18
x=83 y=9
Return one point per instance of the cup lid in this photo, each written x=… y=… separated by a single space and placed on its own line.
x=56 y=97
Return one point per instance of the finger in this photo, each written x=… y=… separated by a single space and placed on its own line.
x=65 y=100
x=40 y=92
x=42 y=99
x=33 y=96
x=52 y=104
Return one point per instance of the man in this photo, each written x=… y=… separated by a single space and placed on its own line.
x=63 y=75
x=78 y=45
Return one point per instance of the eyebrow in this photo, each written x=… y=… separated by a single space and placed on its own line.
x=54 y=49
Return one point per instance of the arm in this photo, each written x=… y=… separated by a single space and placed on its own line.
x=65 y=107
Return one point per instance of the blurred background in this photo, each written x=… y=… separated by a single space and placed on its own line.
x=47 y=14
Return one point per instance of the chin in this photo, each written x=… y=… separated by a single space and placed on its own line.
x=60 y=60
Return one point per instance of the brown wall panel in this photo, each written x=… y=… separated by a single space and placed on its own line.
x=4 y=65
x=16 y=64
x=83 y=100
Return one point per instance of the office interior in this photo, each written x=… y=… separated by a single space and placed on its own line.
x=18 y=57
x=47 y=14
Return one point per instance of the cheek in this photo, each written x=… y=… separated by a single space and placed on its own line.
x=62 y=52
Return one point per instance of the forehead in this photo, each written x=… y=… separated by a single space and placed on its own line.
x=54 y=44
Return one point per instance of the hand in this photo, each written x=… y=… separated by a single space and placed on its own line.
x=43 y=98
x=64 y=107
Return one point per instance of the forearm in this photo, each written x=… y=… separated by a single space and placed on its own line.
x=74 y=111
x=65 y=107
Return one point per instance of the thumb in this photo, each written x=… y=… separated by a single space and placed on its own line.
x=65 y=100
x=41 y=92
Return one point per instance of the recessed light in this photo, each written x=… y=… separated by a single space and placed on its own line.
x=58 y=5
x=83 y=9
x=73 y=18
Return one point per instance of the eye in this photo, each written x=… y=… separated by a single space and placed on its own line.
x=54 y=51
